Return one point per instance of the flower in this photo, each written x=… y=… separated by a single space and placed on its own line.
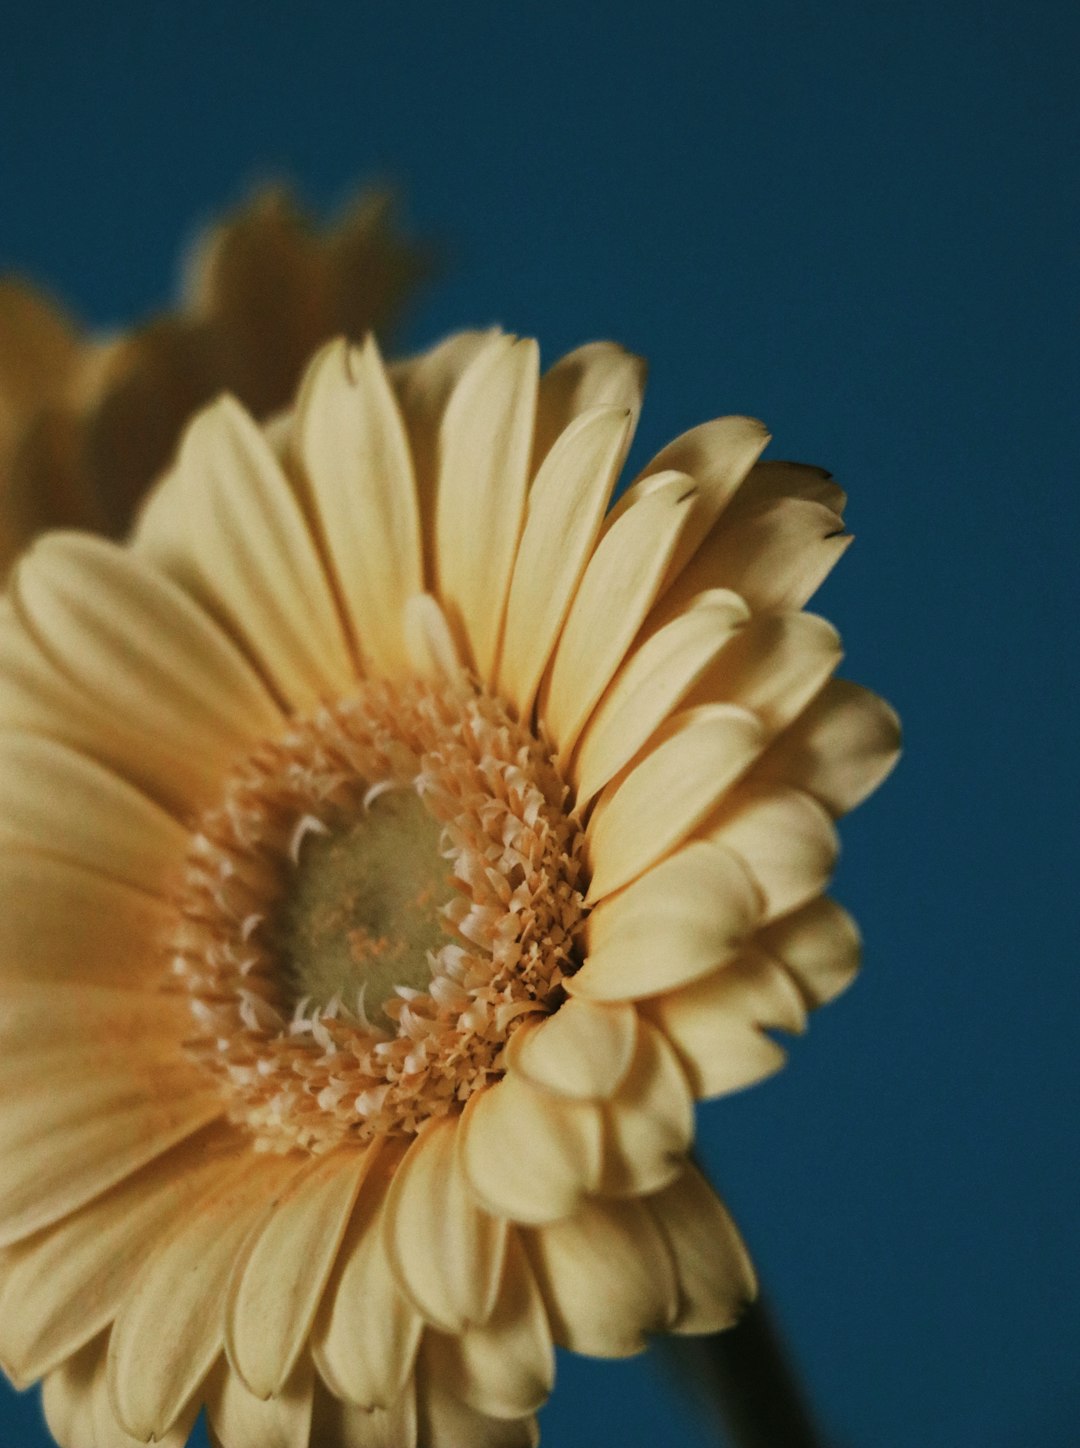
x=87 y=423
x=396 y=842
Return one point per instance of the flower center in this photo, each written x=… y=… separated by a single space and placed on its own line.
x=378 y=900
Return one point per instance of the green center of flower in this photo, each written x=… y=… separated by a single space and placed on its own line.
x=362 y=911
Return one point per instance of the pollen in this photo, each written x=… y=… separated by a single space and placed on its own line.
x=379 y=898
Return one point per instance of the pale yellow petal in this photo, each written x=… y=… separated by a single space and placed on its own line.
x=350 y=443
x=446 y=1252
x=819 y=945
x=238 y=1419
x=617 y=590
x=485 y=444
x=649 y=1123
x=771 y=480
x=599 y=374
x=40 y=1016
x=584 y=1050
x=651 y=809
x=506 y=1368
x=279 y=1279
x=839 y=750
x=654 y=680
x=676 y=923
x=565 y=509
x=429 y=641
x=607 y=1278
x=227 y=527
x=714 y=1271
x=785 y=839
x=79 y=1412
x=529 y=1155
x=336 y=1424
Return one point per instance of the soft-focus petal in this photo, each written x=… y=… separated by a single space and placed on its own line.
x=337 y=1424
x=238 y=1419
x=584 y=1050
x=714 y=1271
x=819 y=945
x=649 y=1124
x=786 y=840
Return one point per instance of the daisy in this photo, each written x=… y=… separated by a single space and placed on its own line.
x=396 y=840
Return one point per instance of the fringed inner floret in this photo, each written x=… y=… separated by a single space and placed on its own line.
x=381 y=897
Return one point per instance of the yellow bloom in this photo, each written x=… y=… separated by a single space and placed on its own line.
x=86 y=423
x=395 y=841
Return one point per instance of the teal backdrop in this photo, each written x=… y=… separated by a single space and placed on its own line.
x=858 y=222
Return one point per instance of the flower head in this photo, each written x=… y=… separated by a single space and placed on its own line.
x=397 y=841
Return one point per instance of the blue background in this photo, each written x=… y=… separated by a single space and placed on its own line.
x=858 y=222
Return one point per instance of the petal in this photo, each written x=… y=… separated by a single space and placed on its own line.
x=429 y=641
x=506 y=1368
x=676 y=923
x=646 y=813
x=227 y=527
x=61 y=1287
x=37 y=1016
x=279 y=1280
x=170 y=1328
x=343 y=1425
x=80 y=1414
x=486 y=442
x=770 y=481
x=599 y=374
x=447 y=1422
x=350 y=442
x=39 y=347
x=367 y=1334
x=652 y=682
x=565 y=509
x=714 y=1271
x=607 y=1278
x=785 y=839
x=819 y=945
x=649 y=1124
x=238 y=1419
x=617 y=590
x=530 y=1156
x=446 y=1252
x=584 y=1050
x=839 y=750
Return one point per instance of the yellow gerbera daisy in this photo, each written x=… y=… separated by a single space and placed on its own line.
x=86 y=423
x=395 y=841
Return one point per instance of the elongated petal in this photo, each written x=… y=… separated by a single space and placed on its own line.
x=227 y=527
x=529 y=1155
x=619 y=586
x=238 y=1419
x=446 y=1421
x=785 y=839
x=819 y=945
x=673 y=925
x=769 y=481
x=446 y=1252
x=665 y=796
x=41 y=1016
x=486 y=443
x=336 y=1424
x=350 y=441
x=565 y=509
x=599 y=374
x=279 y=1281
x=649 y=1124
x=655 y=679
x=714 y=1271
x=607 y=1278
x=584 y=1050
x=79 y=1411
x=429 y=641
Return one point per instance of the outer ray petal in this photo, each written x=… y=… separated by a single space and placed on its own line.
x=447 y=1422
x=768 y=482
x=673 y=925
x=80 y=1415
x=652 y=808
x=785 y=839
x=819 y=945
x=446 y=1252
x=599 y=374
x=343 y=1425
x=238 y=1419
x=37 y=1016
x=279 y=1280
x=584 y=1050
x=714 y=1271
x=350 y=442
x=649 y=1124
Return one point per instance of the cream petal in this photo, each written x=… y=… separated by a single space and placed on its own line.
x=714 y=1023
x=429 y=642
x=66 y=1147
x=64 y=924
x=716 y=1277
x=785 y=839
x=56 y=801
x=618 y=588
x=649 y=1124
x=485 y=446
x=140 y=651
x=343 y=1425
x=565 y=509
x=584 y=1050
x=768 y=482
x=446 y=1252
x=61 y=1287
x=279 y=1279
x=652 y=682
x=819 y=945
x=170 y=1327
x=349 y=440
x=367 y=1334
x=530 y=1156
x=38 y=1016
x=839 y=750
x=80 y=1414
x=651 y=809
x=599 y=374
x=506 y=1368
x=689 y=914
x=228 y=528
x=238 y=1419
x=607 y=1277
